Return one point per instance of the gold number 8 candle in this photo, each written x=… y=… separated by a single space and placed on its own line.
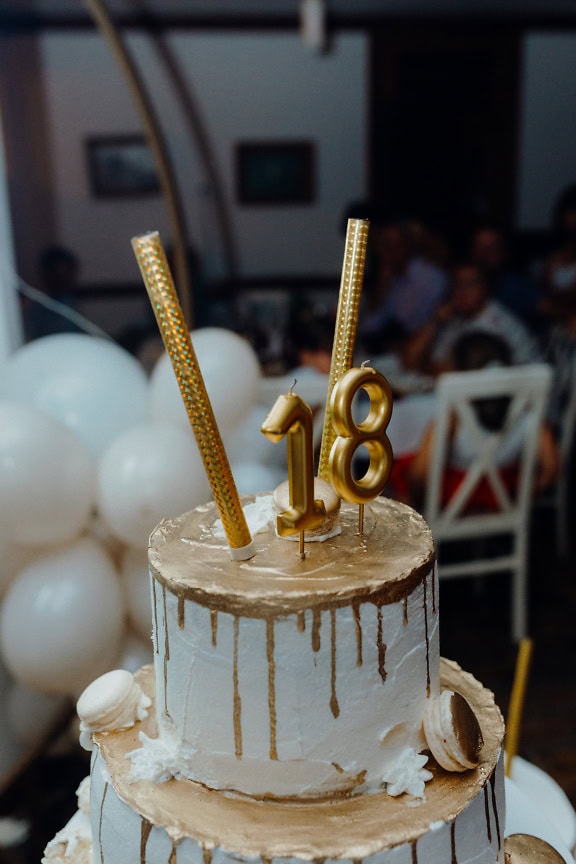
x=370 y=433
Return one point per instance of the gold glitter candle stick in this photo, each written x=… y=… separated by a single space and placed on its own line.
x=158 y=280
x=346 y=326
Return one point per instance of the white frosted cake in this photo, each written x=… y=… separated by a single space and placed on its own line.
x=292 y=710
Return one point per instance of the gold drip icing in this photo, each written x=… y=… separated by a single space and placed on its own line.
x=405 y=619
x=487 y=812
x=427 y=637
x=357 y=861
x=181 y=618
x=316 y=624
x=365 y=824
x=214 y=626
x=155 y=615
x=100 y=822
x=301 y=621
x=358 y=626
x=414 y=845
x=266 y=860
x=237 y=700
x=271 y=686
x=495 y=808
x=166 y=636
x=145 y=829
x=334 y=706
x=387 y=563
x=166 y=650
x=381 y=646
x=207 y=856
x=172 y=858
x=453 y=842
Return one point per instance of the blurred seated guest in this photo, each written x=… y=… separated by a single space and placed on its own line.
x=560 y=352
x=58 y=271
x=489 y=249
x=469 y=308
x=310 y=346
x=403 y=292
x=560 y=269
x=473 y=351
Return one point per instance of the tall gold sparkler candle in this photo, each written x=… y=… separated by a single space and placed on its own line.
x=158 y=280
x=346 y=326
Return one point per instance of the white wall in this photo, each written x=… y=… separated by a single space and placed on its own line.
x=248 y=87
x=548 y=125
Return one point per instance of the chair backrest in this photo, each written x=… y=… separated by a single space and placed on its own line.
x=523 y=392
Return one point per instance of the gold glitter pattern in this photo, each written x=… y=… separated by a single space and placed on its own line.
x=158 y=280
x=346 y=326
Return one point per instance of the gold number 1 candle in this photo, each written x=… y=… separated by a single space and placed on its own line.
x=370 y=434
x=291 y=416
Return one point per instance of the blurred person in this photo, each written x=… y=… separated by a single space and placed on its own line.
x=560 y=268
x=489 y=249
x=404 y=290
x=469 y=308
x=560 y=352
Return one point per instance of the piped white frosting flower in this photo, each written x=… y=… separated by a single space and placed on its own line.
x=407 y=774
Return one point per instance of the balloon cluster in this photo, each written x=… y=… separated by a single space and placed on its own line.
x=92 y=455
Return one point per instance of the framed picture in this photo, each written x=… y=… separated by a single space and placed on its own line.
x=275 y=172
x=121 y=167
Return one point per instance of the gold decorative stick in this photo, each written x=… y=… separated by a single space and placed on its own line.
x=346 y=326
x=158 y=280
x=517 y=703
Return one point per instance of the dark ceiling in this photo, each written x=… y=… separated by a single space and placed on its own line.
x=279 y=13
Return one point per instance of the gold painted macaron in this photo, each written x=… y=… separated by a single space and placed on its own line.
x=452 y=732
x=527 y=849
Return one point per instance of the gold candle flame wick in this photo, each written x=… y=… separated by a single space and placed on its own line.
x=162 y=293
x=346 y=326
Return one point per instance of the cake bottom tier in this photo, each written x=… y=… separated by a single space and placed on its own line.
x=460 y=821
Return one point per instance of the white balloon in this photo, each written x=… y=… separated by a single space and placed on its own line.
x=246 y=441
x=149 y=472
x=136 y=587
x=135 y=653
x=47 y=477
x=11 y=749
x=92 y=385
x=230 y=370
x=30 y=713
x=62 y=619
x=252 y=477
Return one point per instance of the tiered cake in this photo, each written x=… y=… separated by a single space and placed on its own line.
x=296 y=707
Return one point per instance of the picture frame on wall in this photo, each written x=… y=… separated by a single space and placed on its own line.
x=275 y=172
x=121 y=166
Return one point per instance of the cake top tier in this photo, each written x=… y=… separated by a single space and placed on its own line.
x=391 y=557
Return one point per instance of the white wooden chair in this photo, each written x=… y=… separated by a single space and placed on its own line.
x=526 y=388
